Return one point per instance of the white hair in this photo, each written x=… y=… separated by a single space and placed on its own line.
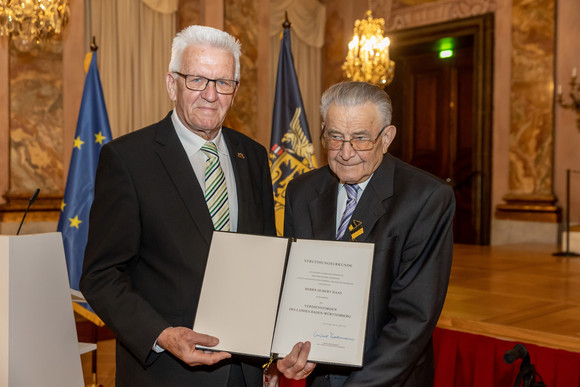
x=357 y=93
x=206 y=37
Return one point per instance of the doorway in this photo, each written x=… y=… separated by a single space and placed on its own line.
x=442 y=110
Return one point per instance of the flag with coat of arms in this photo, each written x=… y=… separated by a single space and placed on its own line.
x=92 y=132
x=291 y=150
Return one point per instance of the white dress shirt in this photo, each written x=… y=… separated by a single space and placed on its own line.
x=192 y=144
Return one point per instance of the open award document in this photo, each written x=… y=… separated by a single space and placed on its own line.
x=261 y=295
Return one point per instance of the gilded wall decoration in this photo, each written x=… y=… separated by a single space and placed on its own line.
x=241 y=20
x=404 y=14
x=189 y=13
x=333 y=49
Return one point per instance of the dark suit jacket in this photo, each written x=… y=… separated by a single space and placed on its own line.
x=149 y=238
x=408 y=214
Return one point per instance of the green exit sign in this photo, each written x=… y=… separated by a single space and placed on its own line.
x=445 y=54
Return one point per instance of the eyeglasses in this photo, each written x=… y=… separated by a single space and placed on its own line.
x=360 y=143
x=197 y=83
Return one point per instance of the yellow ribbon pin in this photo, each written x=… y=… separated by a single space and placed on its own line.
x=356 y=229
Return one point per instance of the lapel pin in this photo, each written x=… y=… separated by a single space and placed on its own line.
x=356 y=229
x=241 y=155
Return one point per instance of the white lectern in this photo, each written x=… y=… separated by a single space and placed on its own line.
x=38 y=338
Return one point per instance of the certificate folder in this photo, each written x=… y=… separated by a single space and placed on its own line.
x=261 y=295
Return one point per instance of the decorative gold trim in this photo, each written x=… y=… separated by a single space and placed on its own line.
x=45 y=209
x=529 y=207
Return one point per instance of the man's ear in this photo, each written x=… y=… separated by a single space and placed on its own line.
x=234 y=95
x=171 y=84
x=388 y=136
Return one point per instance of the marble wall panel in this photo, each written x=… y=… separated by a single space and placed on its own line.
x=241 y=20
x=189 y=12
x=36 y=119
x=334 y=49
x=532 y=110
x=339 y=29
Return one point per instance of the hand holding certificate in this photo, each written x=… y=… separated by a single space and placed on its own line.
x=181 y=342
x=262 y=295
x=325 y=300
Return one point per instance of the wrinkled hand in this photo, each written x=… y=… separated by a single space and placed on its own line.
x=295 y=365
x=181 y=341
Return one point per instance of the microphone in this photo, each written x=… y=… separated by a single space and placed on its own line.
x=30 y=201
x=518 y=352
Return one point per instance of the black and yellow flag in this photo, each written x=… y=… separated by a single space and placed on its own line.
x=291 y=150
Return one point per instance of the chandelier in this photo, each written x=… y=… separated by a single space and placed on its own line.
x=368 y=53
x=28 y=22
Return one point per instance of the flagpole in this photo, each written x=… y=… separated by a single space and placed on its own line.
x=92 y=132
x=94 y=46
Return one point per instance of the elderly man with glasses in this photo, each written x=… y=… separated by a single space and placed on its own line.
x=366 y=195
x=160 y=193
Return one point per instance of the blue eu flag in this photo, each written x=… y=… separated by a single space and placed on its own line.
x=291 y=150
x=92 y=132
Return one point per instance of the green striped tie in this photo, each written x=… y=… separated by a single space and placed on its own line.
x=216 y=193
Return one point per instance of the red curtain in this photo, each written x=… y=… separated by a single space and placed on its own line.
x=468 y=360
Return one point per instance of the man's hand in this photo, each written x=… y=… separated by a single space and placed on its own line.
x=295 y=365
x=181 y=341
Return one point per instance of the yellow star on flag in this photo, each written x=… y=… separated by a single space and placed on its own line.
x=62 y=205
x=99 y=138
x=74 y=222
x=78 y=143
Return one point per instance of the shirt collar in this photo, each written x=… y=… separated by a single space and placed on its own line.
x=361 y=186
x=192 y=143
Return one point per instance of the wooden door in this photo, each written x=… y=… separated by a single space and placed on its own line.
x=441 y=119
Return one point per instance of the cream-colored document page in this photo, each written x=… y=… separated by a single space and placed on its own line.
x=325 y=300
x=240 y=292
